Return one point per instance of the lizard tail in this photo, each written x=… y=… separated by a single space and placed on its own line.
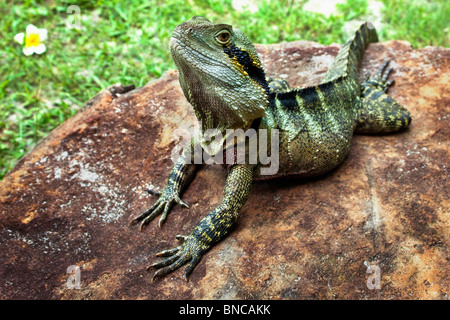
x=350 y=55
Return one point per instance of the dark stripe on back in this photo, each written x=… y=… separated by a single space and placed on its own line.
x=308 y=94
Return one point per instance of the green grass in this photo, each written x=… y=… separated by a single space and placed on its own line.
x=423 y=23
x=127 y=42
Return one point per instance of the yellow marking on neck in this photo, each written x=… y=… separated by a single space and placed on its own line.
x=234 y=61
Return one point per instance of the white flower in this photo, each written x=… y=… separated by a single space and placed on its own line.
x=32 y=40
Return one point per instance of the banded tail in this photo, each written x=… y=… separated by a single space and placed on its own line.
x=349 y=57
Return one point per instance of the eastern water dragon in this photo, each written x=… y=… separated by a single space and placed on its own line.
x=222 y=78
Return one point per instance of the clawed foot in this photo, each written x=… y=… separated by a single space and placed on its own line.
x=168 y=197
x=191 y=250
x=380 y=81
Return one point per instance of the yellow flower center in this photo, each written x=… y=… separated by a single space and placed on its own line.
x=32 y=40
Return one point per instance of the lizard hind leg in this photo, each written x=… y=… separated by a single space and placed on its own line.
x=379 y=113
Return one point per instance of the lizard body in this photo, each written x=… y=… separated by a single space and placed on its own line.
x=222 y=78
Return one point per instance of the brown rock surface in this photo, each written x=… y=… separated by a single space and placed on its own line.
x=69 y=201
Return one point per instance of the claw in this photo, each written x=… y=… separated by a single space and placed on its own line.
x=382 y=73
x=154 y=211
x=153 y=192
x=142 y=226
x=169 y=268
x=380 y=80
x=167 y=199
x=383 y=66
x=181 y=237
x=163 y=216
x=144 y=214
x=189 y=251
x=165 y=262
x=387 y=85
x=386 y=74
x=168 y=253
x=181 y=202
x=195 y=260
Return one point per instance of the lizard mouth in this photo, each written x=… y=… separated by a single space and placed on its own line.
x=180 y=49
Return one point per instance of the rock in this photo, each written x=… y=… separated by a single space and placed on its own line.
x=384 y=213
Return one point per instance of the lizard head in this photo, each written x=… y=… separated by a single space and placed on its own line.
x=220 y=74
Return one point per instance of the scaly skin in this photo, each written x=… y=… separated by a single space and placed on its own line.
x=222 y=78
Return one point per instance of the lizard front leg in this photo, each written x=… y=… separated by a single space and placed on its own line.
x=213 y=228
x=180 y=176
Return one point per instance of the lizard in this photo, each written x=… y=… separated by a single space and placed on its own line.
x=221 y=76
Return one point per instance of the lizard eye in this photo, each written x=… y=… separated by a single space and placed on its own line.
x=223 y=37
